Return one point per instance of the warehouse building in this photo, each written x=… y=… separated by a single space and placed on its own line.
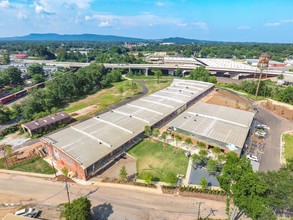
x=88 y=146
x=46 y=123
x=215 y=125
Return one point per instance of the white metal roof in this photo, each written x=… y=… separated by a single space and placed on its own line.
x=94 y=138
x=220 y=123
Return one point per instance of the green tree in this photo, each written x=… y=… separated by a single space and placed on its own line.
x=216 y=151
x=147 y=131
x=123 y=173
x=158 y=74
x=200 y=73
x=164 y=136
x=204 y=183
x=148 y=177
x=79 y=209
x=203 y=153
x=12 y=76
x=35 y=69
x=213 y=79
x=201 y=145
x=188 y=142
x=178 y=138
x=156 y=132
x=64 y=170
x=245 y=188
x=212 y=167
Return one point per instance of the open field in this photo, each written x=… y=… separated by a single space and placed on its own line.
x=104 y=99
x=162 y=162
x=288 y=146
x=36 y=165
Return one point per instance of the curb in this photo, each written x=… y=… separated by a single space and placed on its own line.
x=282 y=150
x=27 y=173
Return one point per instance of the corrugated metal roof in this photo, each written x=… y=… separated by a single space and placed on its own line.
x=93 y=139
x=220 y=123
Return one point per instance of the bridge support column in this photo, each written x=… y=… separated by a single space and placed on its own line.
x=171 y=72
x=146 y=71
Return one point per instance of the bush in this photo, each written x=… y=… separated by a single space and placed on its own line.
x=148 y=177
x=79 y=209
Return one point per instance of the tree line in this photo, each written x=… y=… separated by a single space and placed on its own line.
x=51 y=50
x=266 y=89
x=62 y=90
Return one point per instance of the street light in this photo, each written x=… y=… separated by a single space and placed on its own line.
x=263 y=64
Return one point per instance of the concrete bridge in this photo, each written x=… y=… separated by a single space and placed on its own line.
x=185 y=68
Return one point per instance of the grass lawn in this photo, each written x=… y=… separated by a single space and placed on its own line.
x=36 y=165
x=153 y=86
x=162 y=162
x=107 y=97
x=288 y=139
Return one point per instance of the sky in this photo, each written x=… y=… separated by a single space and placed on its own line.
x=217 y=20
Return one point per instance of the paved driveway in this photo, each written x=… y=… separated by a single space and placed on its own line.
x=270 y=159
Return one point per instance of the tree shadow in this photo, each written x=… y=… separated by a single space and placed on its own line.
x=102 y=212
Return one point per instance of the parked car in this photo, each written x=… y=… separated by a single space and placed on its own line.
x=251 y=157
x=261 y=126
x=34 y=214
x=24 y=212
x=261 y=133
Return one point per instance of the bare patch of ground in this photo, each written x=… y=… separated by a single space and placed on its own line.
x=113 y=171
x=85 y=111
x=225 y=98
x=282 y=109
x=14 y=139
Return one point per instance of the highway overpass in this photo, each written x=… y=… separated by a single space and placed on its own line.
x=146 y=68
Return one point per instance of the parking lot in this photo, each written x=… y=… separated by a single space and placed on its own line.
x=256 y=143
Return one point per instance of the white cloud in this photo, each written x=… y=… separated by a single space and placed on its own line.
x=144 y=19
x=105 y=24
x=200 y=25
x=182 y=24
x=287 y=21
x=278 y=23
x=5 y=4
x=160 y=4
x=243 y=27
x=21 y=16
x=273 y=24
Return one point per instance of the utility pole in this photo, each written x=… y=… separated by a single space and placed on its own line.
x=54 y=169
x=263 y=64
x=198 y=212
x=66 y=187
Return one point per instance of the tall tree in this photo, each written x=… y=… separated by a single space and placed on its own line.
x=200 y=73
x=79 y=209
x=12 y=76
x=244 y=188
x=158 y=74
x=35 y=69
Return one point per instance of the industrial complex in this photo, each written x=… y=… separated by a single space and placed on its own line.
x=86 y=147
x=215 y=125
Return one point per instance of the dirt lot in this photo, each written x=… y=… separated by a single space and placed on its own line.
x=225 y=98
x=281 y=109
x=113 y=171
x=85 y=111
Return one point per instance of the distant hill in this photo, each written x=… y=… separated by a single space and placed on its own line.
x=73 y=37
x=96 y=38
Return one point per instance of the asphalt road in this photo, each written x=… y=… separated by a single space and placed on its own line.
x=270 y=160
x=107 y=202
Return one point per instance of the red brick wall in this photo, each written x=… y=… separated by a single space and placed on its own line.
x=66 y=161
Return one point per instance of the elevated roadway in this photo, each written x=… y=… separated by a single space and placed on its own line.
x=233 y=72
